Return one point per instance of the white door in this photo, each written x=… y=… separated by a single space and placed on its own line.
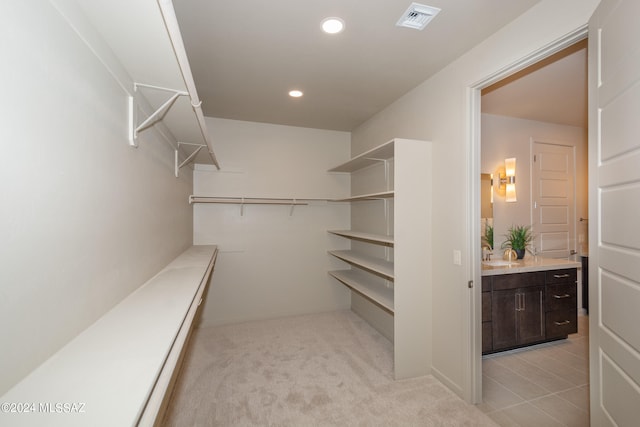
x=553 y=199
x=614 y=213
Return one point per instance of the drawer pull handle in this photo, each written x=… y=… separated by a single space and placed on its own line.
x=566 y=322
x=560 y=276
x=561 y=296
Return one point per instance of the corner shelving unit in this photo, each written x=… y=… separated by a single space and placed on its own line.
x=366 y=262
x=358 y=282
x=367 y=237
x=390 y=255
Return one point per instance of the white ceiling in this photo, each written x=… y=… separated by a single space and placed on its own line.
x=246 y=55
x=553 y=91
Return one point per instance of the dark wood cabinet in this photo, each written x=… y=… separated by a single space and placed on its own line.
x=530 y=315
x=517 y=309
x=561 y=303
x=487 y=331
x=527 y=308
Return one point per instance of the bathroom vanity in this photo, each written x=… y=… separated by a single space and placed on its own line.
x=528 y=302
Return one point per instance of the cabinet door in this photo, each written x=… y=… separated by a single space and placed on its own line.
x=531 y=315
x=504 y=319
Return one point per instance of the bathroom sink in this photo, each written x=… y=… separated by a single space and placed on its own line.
x=499 y=263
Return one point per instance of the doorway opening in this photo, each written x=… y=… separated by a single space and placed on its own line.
x=492 y=131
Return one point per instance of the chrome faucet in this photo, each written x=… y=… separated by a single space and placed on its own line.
x=486 y=253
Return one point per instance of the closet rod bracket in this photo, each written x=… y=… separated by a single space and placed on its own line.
x=177 y=165
x=134 y=127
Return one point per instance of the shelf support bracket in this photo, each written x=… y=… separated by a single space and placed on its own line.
x=191 y=156
x=134 y=127
x=293 y=205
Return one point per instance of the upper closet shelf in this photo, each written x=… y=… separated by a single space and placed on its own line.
x=254 y=200
x=144 y=51
x=292 y=202
x=381 y=153
x=372 y=196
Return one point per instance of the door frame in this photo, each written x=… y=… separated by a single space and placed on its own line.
x=473 y=377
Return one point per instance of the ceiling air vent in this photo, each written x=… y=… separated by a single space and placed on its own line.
x=417 y=16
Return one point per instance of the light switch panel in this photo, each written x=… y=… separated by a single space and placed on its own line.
x=457 y=257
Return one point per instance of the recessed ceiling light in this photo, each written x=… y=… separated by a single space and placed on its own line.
x=295 y=93
x=332 y=25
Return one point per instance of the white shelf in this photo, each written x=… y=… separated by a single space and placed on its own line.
x=368 y=158
x=367 y=262
x=369 y=237
x=120 y=368
x=359 y=283
x=144 y=51
x=372 y=196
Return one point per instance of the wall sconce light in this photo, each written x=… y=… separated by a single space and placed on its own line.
x=491 y=178
x=508 y=179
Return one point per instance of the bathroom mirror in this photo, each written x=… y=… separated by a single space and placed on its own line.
x=486 y=209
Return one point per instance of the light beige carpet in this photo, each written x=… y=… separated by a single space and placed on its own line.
x=328 y=369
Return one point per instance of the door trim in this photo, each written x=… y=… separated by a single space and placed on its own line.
x=473 y=320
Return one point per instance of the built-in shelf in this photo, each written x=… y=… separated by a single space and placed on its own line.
x=360 y=283
x=372 y=196
x=369 y=237
x=158 y=80
x=368 y=158
x=397 y=308
x=367 y=262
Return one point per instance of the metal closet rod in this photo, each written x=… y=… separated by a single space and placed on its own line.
x=255 y=200
x=169 y=16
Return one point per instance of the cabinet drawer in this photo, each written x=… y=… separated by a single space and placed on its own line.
x=567 y=275
x=518 y=280
x=561 y=297
x=559 y=324
x=486 y=306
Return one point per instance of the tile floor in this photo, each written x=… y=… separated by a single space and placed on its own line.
x=545 y=385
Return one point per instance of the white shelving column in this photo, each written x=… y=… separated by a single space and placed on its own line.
x=390 y=256
x=412 y=230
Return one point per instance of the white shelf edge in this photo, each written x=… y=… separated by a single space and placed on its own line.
x=369 y=237
x=138 y=343
x=376 y=293
x=372 y=196
x=368 y=158
x=366 y=262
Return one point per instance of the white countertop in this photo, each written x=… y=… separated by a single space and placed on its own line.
x=528 y=263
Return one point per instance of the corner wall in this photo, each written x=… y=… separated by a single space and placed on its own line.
x=439 y=110
x=272 y=262
x=85 y=219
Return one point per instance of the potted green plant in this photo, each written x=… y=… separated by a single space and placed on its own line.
x=518 y=237
x=487 y=239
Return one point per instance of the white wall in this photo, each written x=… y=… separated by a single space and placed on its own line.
x=439 y=111
x=272 y=264
x=504 y=137
x=84 y=218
